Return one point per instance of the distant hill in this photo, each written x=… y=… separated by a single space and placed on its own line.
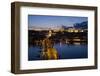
x=82 y=25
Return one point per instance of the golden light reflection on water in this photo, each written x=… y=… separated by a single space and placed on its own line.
x=77 y=43
x=51 y=53
x=48 y=51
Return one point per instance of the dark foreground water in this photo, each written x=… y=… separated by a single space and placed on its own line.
x=65 y=51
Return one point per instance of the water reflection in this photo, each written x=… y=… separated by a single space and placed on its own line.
x=48 y=52
x=48 y=49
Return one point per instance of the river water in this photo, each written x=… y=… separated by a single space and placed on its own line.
x=65 y=51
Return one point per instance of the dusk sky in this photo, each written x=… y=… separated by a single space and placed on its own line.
x=53 y=21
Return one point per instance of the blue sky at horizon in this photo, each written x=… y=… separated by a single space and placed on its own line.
x=55 y=21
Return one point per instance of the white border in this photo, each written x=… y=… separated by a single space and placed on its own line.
x=25 y=64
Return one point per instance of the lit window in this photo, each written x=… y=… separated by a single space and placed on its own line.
x=76 y=31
